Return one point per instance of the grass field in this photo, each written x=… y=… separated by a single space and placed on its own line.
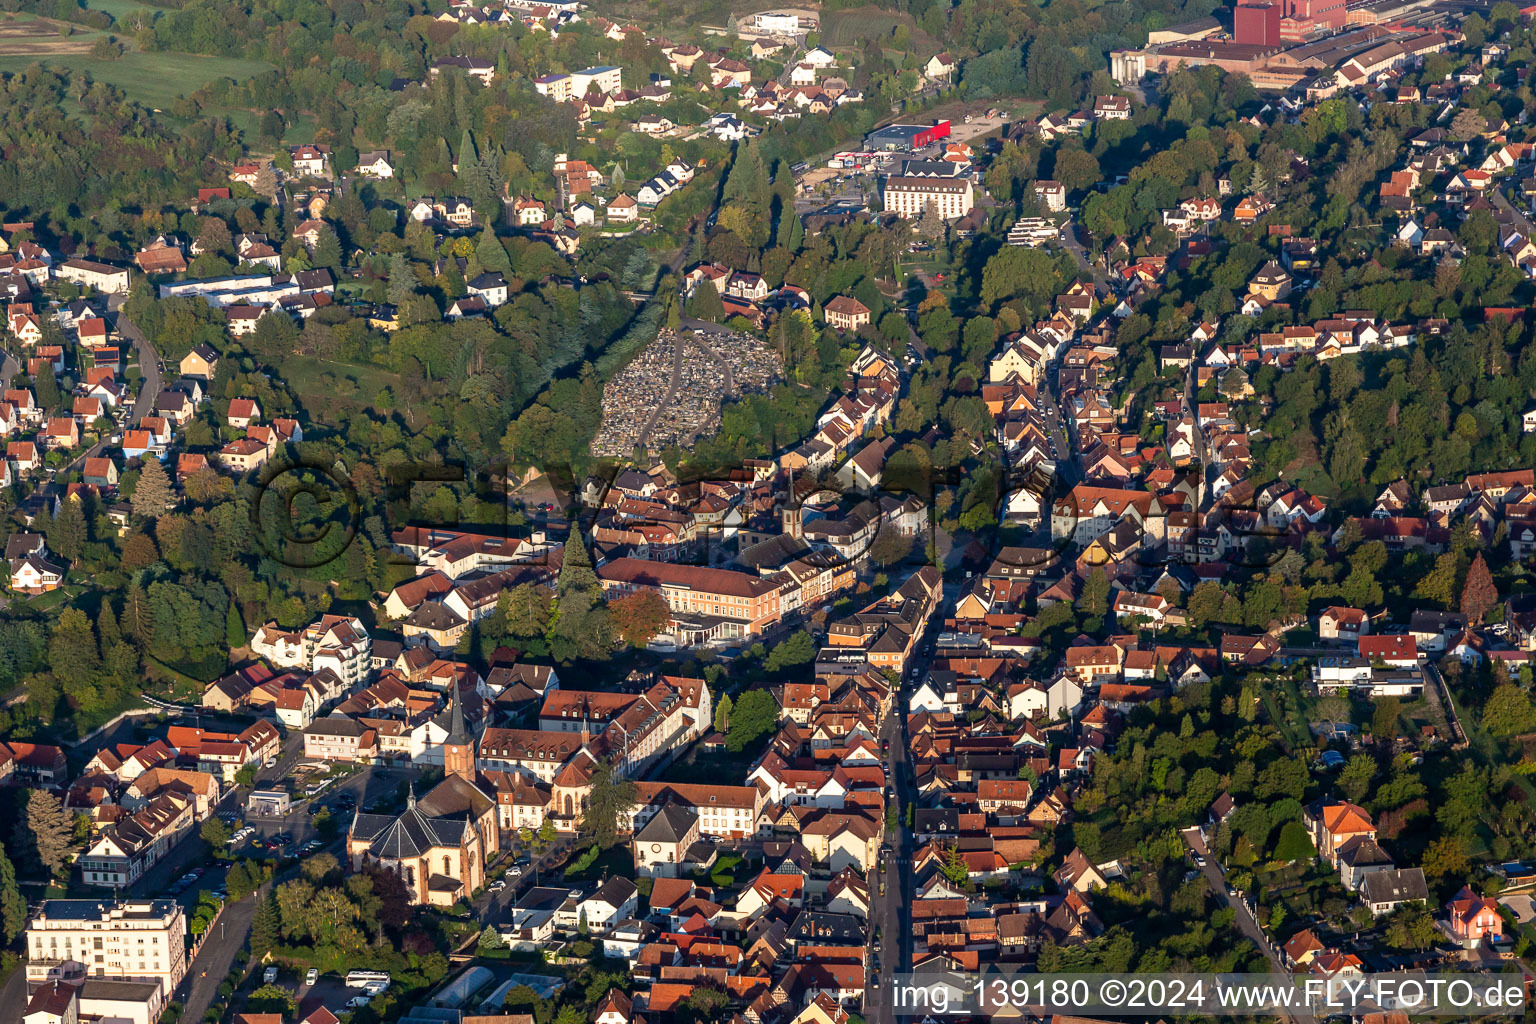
x=323 y=386
x=119 y=9
x=852 y=26
x=153 y=79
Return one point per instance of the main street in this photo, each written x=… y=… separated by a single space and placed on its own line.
x=890 y=918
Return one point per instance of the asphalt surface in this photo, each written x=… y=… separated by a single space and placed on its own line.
x=1242 y=911
x=890 y=921
x=1075 y=247
x=149 y=366
x=149 y=388
x=215 y=959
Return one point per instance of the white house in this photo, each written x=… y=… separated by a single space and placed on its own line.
x=375 y=164
x=819 y=57
x=615 y=901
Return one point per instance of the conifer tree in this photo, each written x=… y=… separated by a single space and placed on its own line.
x=152 y=494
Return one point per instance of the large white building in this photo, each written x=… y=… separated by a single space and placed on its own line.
x=336 y=642
x=101 y=276
x=560 y=88
x=777 y=23
x=129 y=940
x=909 y=197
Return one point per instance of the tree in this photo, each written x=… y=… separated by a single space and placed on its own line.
x=706 y=1003
x=46 y=387
x=930 y=223
x=1446 y=857
x=152 y=494
x=955 y=868
x=73 y=654
x=1509 y=711
x=1468 y=124
x=1076 y=168
x=754 y=716
x=13 y=905
x=639 y=616
x=490 y=941
x=1412 y=927
x=723 y=713
x=234 y=629
x=705 y=304
x=271 y=999
x=1095 y=594
x=581 y=627
x=327 y=249
x=890 y=547
x=791 y=652
x=608 y=805
x=67 y=531
x=529 y=610
x=49 y=830
x=1294 y=844
x=1384 y=719
x=1439 y=584
x=1355 y=779
x=492 y=254
x=215 y=833
x=265 y=926
x=1478 y=593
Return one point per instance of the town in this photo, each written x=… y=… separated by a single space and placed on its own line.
x=539 y=512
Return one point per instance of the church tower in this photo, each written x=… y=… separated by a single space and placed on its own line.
x=459 y=747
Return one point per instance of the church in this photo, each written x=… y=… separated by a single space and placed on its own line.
x=440 y=845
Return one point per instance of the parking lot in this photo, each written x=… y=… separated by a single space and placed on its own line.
x=329 y=990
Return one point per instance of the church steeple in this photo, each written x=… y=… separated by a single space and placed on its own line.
x=410 y=794
x=457 y=733
x=459 y=746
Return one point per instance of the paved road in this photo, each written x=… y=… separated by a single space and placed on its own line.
x=149 y=388
x=149 y=365
x=1075 y=247
x=493 y=908
x=1057 y=419
x=1243 y=913
x=1191 y=393
x=891 y=914
x=13 y=997
x=215 y=959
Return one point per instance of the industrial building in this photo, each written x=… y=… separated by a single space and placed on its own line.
x=896 y=138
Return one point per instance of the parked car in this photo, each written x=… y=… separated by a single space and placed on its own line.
x=311 y=976
x=358 y=1002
